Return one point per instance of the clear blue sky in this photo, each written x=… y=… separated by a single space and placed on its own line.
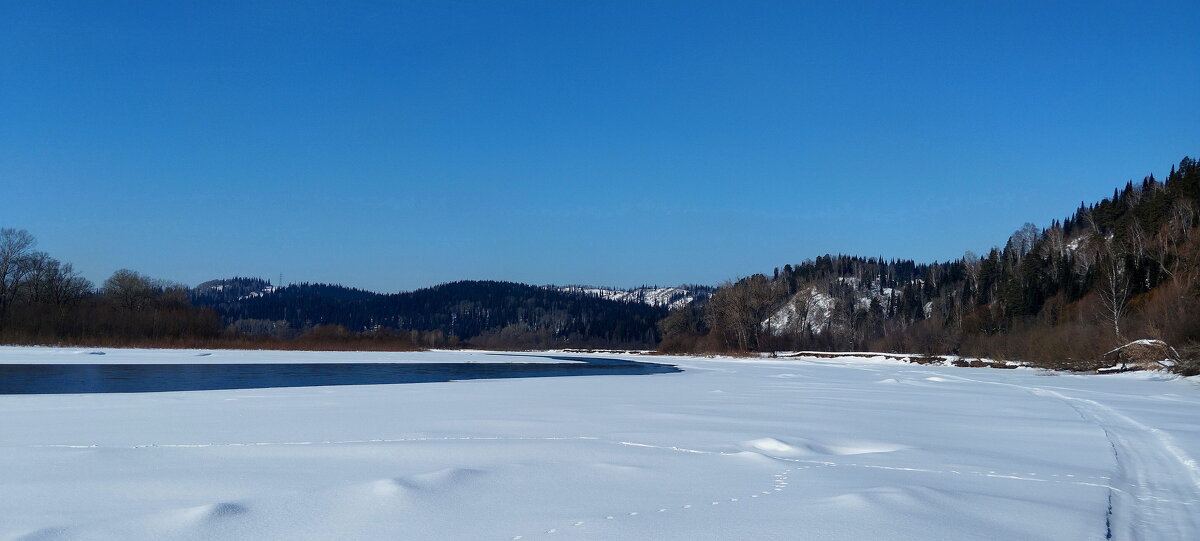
x=391 y=145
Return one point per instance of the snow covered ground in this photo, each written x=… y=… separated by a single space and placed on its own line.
x=850 y=448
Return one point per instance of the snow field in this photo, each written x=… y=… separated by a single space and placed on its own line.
x=729 y=449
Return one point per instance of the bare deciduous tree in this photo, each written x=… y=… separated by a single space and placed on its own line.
x=1056 y=242
x=1113 y=287
x=130 y=290
x=1113 y=284
x=50 y=281
x=1138 y=242
x=1021 y=242
x=737 y=311
x=16 y=247
x=1166 y=251
x=1114 y=292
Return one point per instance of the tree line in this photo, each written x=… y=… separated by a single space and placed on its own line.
x=46 y=301
x=1124 y=268
x=488 y=314
x=1121 y=269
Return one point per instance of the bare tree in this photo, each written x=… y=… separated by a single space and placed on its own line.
x=737 y=311
x=1084 y=258
x=1114 y=292
x=1134 y=195
x=971 y=266
x=1114 y=287
x=130 y=290
x=58 y=283
x=16 y=247
x=1166 y=250
x=1021 y=242
x=1056 y=242
x=722 y=316
x=1137 y=239
x=1113 y=284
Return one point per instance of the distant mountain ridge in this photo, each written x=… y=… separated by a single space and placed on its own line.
x=500 y=314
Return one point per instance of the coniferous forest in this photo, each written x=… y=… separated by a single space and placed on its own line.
x=1125 y=268
x=482 y=313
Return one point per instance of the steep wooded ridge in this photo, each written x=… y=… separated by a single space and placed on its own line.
x=1121 y=269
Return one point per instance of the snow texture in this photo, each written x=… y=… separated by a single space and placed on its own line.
x=671 y=297
x=806 y=448
x=814 y=309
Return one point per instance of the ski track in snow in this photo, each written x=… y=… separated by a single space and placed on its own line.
x=1155 y=486
x=1158 y=483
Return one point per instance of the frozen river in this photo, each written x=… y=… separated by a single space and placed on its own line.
x=143 y=377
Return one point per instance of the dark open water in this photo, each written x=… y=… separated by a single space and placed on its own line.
x=142 y=378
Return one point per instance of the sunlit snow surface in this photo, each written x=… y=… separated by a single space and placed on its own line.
x=729 y=449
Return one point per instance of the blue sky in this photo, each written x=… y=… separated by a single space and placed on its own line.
x=391 y=145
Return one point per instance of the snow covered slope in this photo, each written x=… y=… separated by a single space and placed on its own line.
x=671 y=297
x=234 y=289
x=832 y=449
x=820 y=310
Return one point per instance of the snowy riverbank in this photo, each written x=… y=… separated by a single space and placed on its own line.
x=729 y=449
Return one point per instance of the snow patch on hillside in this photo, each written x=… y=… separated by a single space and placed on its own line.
x=260 y=293
x=815 y=309
x=671 y=297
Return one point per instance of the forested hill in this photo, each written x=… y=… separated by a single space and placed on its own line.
x=1122 y=269
x=482 y=313
x=1125 y=268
